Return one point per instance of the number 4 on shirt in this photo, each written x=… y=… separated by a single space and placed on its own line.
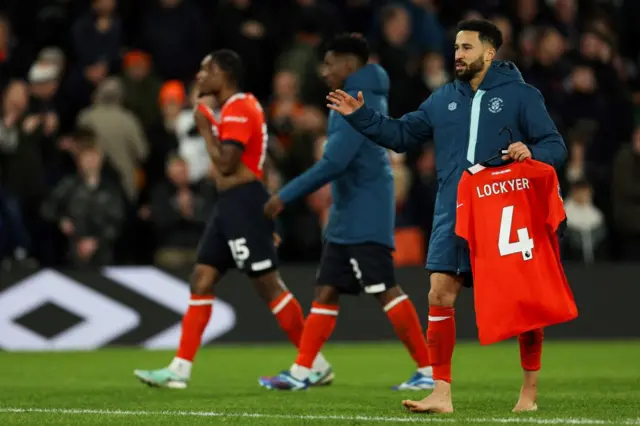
x=505 y=225
x=524 y=244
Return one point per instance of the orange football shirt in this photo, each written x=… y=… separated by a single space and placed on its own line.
x=242 y=120
x=509 y=216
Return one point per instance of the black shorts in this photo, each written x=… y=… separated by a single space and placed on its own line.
x=355 y=268
x=467 y=277
x=238 y=234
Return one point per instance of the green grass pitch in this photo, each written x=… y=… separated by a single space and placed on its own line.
x=581 y=383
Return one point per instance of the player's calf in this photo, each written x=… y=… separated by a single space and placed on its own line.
x=441 y=337
x=404 y=318
x=317 y=328
x=531 y=349
x=441 y=329
x=203 y=279
x=196 y=318
x=283 y=305
x=288 y=312
x=530 y=359
x=194 y=322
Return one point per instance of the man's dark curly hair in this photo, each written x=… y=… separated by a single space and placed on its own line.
x=350 y=44
x=230 y=63
x=487 y=30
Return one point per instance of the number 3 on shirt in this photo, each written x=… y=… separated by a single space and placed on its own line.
x=524 y=244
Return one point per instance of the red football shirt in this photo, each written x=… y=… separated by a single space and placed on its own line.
x=509 y=216
x=242 y=120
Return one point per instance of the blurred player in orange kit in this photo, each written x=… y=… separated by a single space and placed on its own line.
x=238 y=233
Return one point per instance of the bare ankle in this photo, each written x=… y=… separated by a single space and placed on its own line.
x=442 y=387
x=530 y=380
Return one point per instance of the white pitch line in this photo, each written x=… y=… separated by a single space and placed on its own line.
x=418 y=418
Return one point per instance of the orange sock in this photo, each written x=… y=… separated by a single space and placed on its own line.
x=406 y=323
x=289 y=315
x=193 y=324
x=317 y=328
x=441 y=339
x=531 y=349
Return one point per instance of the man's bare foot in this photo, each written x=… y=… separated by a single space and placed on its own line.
x=525 y=406
x=432 y=404
x=528 y=393
x=527 y=400
x=439 y=402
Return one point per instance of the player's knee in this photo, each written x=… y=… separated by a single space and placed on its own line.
x=269 y=286
x=327 y=295
x=389 y=295
x=444 y=289
x=438 y=297
x=203 y=279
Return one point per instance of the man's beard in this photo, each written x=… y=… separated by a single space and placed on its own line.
x=471 y=70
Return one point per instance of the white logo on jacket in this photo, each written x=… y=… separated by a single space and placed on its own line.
x=495 y=105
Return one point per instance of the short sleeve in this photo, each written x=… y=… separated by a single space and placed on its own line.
x=235 y=125
x=555 y=213
x=208 y=114
x=206 y=111
x=463 y=209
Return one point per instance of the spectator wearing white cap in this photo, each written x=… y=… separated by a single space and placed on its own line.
x=44 y=80
x=52 y=56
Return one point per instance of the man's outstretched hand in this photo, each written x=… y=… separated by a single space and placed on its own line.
x=343 y=102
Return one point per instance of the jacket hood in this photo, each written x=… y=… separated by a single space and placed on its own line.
x=501 y=73
x=371 y=78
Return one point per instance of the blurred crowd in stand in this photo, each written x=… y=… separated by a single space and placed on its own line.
x=101 y=163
